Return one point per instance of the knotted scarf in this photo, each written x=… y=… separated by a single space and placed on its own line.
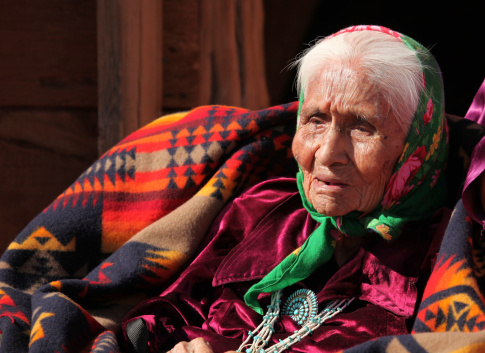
x=415 y=190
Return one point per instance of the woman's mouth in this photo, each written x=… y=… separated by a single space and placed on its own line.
x=329 y=183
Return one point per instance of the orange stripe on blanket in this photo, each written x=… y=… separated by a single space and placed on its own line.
x=213 y=186
x=165 y=264
x=446 y=275
x=43 y=240
x=37 y=331
x=115 y=234
x=196 y=116
x=158 y=126
x=139 y=187
x=456 y=292
x=154 y=128
x=156 y=142
x=166 y=120
x=141 y=211
x=123 y=227
x=132 y=186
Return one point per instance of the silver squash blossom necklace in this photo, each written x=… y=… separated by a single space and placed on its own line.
x=302 y=307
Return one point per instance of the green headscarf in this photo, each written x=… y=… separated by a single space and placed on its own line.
x=415 y=191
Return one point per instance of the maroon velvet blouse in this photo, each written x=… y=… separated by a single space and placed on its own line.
x=253 y=234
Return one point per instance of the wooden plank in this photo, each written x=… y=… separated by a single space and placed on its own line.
x=42 y=153
x=130 y=67
x=67 y=132
x=181 y=54
x=220 y=81
x=109 y=74
x=141 y=60
x=48 y=53
x=232 y=54
x=254 y=89
x=29 y=181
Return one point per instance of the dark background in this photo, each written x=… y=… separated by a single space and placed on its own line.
x=453 y=31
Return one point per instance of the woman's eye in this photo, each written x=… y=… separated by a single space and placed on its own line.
x=315 y=120
x=364 y=127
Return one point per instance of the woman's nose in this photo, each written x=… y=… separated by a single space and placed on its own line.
x=332 y=148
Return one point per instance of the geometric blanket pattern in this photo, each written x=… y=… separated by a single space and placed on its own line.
x=132 y=220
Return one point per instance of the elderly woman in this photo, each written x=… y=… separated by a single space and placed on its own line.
x=340 y=255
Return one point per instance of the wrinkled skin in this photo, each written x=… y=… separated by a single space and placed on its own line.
x=347 y=143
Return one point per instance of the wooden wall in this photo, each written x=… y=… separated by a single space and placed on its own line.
x=48 y=103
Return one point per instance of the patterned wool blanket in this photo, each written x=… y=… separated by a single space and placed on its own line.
x=134 y=219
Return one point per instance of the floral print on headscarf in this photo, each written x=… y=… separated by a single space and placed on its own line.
x=415 y=190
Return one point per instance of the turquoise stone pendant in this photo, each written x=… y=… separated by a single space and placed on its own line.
x=301 y=306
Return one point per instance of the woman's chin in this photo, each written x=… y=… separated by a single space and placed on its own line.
x=330 y=210
x=329 y=205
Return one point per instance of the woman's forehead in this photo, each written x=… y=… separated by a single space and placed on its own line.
x=345 y=90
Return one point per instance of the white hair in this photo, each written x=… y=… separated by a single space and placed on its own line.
x=385 y=60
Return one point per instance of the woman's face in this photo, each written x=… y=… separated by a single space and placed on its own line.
x=347 y=143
